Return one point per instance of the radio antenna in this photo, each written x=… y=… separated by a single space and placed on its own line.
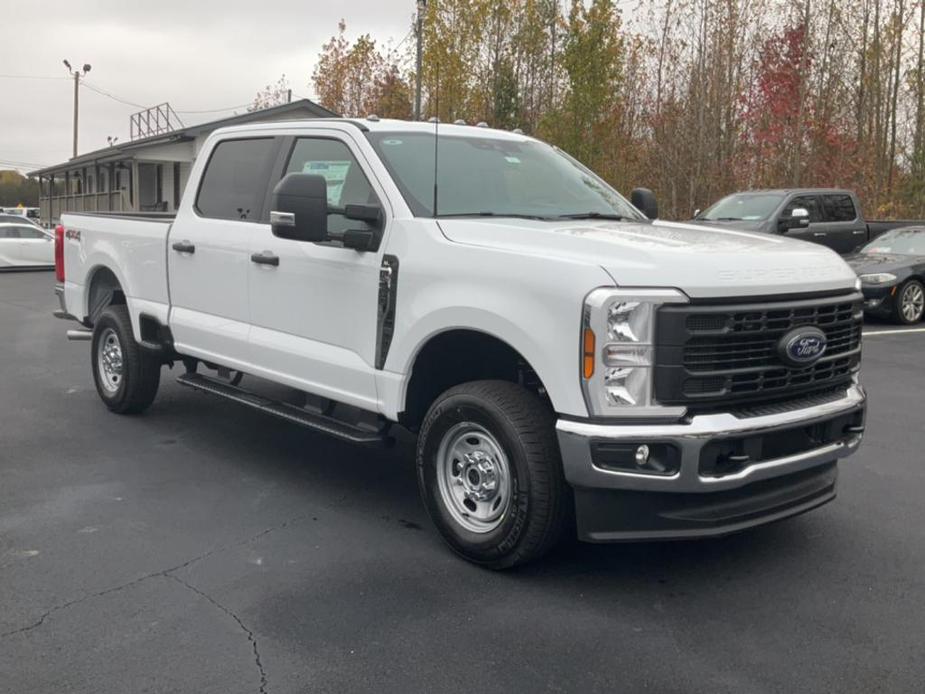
x=436 y=148
x=436 y=120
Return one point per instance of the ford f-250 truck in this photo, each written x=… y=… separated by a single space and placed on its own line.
x=560 y=355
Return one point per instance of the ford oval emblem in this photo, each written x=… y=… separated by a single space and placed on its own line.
x=802 y=346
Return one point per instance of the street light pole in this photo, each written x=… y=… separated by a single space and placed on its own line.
x=422 y=8
x=77 y=74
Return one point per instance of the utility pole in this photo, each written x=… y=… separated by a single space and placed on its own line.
x=77 y=74
x=419 y=20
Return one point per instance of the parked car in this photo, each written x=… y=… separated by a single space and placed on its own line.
x=31 y=213
x=831 y=217
x=892 y=272
x=24 y=245
x=559 y=354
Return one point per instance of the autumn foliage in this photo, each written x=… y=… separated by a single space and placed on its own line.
x=693 y=98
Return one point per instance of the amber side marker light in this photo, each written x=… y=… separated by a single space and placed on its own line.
x=587 y=362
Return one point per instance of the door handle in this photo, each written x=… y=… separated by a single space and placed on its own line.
x=858 y=231
x=184 y=247
x=265 y=258
x=818 y=233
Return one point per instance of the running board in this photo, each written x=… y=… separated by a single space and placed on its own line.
x=326 y=425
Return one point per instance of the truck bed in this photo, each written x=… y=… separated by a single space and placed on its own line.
x=132 y=246
x=876 y=227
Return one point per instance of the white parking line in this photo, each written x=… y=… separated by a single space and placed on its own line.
x=894 y=332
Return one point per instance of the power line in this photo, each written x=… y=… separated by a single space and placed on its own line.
x=402 y=42
x=112 y=96
x=216 y=110
x=32 y=77
x=26 y=164
x=103 y=92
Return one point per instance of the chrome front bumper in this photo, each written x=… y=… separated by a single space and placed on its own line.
x=576 y=437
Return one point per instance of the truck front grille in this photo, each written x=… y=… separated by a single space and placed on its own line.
x=708 y=356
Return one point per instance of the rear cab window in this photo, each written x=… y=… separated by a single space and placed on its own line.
x=839 y=208
x=234 y=183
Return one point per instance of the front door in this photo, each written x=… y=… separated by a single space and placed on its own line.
x=815 y=231
x=208 y=252
x=314 y=314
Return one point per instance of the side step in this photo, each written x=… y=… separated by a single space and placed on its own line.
x=326 y=425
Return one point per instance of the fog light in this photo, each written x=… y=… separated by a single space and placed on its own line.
x=660 y=459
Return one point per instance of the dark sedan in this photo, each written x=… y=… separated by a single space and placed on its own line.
x=892 y=272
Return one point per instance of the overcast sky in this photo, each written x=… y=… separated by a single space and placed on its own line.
x=195 y=54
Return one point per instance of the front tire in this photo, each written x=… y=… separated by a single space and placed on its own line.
x=910 y=303
x=490 y=473
x=126 y=376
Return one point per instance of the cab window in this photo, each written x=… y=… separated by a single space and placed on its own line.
x=839 y=208
x=347 y=184
x=234 y=183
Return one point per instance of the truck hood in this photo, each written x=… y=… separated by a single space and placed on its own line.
x=701 y=261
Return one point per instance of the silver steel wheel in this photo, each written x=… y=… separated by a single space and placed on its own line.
x=109 y=361
x=912 y=303
x=474 y=477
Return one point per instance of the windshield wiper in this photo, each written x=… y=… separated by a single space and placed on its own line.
x=493 y=214
x=725 y=219
x=595 y=215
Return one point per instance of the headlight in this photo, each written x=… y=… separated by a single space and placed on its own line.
x=618 y=351
x=878 y=278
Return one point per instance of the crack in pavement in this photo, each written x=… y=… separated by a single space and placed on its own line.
x=164 y=572
x=250 y=634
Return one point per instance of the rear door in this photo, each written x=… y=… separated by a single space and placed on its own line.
x=814 y=232
x=845 y=229
x=314 y=314
x=35 y=246
x=208 y=251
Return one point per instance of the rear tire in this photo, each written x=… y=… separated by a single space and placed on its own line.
x=910 y=303
x=490 y=473
x=126 y=376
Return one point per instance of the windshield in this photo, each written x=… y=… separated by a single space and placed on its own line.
x=486 y=176
x=743 y=207
x=909 y=241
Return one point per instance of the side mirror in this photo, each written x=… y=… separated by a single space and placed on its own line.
x=799 y=219
x=644 y=200
x=697 y=212
x=299 y=208
x=363 y=239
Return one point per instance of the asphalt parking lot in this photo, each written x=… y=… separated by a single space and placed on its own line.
x=203 y=548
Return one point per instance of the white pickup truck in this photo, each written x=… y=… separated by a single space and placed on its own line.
x=566 y=361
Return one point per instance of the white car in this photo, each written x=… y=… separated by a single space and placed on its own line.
x=24 y=244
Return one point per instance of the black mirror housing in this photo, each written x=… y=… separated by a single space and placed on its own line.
x=371 y=214
x=644 y=200
x=299 y=208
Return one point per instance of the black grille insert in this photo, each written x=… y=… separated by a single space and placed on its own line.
x=708 y=356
